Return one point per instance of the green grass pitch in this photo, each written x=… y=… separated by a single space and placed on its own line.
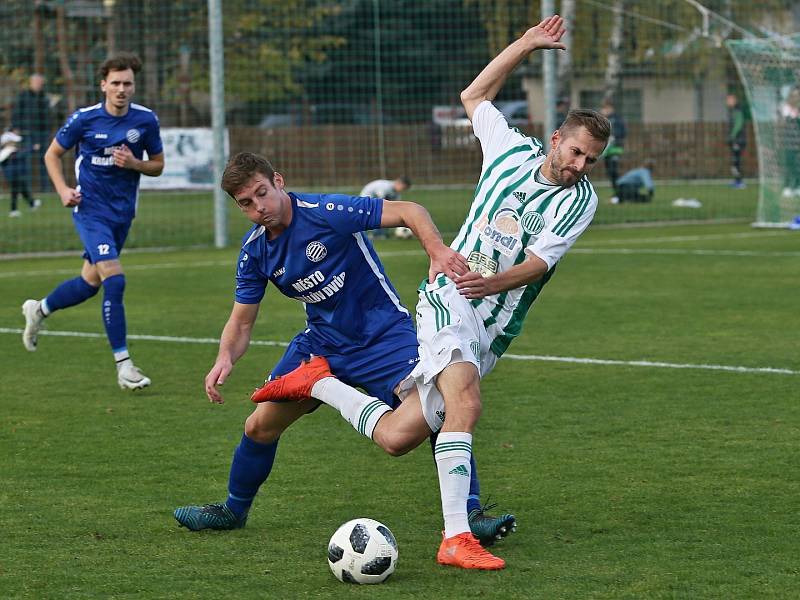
x=628 y=479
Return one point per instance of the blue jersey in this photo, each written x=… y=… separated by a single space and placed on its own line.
x=324 y=260
x=108 y=191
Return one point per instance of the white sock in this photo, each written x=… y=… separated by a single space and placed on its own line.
x=361 y=411
x=122 y=359
x=452 y=452
x=45 y=310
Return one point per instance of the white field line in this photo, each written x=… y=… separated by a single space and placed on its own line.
x=684 y=252
x=526 y=357
x=694 y=238
x=149 y=338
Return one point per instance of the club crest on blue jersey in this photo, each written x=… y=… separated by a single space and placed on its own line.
x=132 y=135
x=316 y=251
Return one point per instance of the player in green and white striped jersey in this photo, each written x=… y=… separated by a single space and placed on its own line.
x=528 y=210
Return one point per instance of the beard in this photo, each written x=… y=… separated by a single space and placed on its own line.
x=561 y=174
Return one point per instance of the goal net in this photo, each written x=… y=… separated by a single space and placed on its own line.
x=769 y=72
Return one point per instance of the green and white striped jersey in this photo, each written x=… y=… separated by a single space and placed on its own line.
x=517 y=212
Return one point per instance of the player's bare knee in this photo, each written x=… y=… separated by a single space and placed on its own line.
x=399 y=446
x=388 y=439
x=262 y=430
x=462 y=414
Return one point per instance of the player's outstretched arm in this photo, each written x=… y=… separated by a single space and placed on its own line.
x=232 y=345
x=409 y=214
x=487 y=84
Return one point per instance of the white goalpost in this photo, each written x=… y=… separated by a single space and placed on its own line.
x=770 y=73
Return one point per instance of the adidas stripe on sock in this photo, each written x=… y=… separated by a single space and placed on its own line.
x=452 y=453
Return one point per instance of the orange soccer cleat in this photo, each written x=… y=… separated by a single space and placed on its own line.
x=465 y=551
x=295 y=385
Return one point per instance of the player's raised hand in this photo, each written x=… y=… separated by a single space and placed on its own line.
x=124 y=158
x=215 y=378
x=446 y=260
x=70 y=197
x=546 y=34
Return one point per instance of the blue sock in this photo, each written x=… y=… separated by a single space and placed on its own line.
x=474 y=498
x=69 y=293
x=252 y=463
x=114 y=312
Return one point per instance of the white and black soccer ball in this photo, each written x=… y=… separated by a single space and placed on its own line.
x=403 y=233
x=362 y=551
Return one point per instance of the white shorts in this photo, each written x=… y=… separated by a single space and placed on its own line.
x=448 y=331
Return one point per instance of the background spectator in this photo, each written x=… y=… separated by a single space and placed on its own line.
x=637 y=184
x=388 y=189
x=790 y=115
x=32 y=117
x=562 y=108
x=736 y=138
x=14 y=160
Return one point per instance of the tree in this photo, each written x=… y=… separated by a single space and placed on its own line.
x=615 y=49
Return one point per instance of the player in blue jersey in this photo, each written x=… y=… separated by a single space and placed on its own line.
x=312 y=247
x=110 y=138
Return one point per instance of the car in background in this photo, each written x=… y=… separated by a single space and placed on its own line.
x=277 y=120
x=452 y=128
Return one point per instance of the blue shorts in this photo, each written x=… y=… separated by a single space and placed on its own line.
x=376 y=369
x=102 y=240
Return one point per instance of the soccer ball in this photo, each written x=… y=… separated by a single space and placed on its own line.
x=403 y=233
x=362 y=551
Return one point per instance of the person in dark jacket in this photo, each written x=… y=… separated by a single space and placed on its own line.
x=32 y=117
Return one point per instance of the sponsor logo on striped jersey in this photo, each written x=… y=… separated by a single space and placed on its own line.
x=503 y=233
x=480 y=263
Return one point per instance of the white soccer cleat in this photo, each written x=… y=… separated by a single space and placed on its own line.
x=34 y=320
x=37 y=203
x=130 y=377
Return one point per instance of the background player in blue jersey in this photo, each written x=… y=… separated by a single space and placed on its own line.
x=110 y=138
x=313 y=248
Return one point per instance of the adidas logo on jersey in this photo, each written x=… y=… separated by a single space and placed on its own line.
x=520 y=196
